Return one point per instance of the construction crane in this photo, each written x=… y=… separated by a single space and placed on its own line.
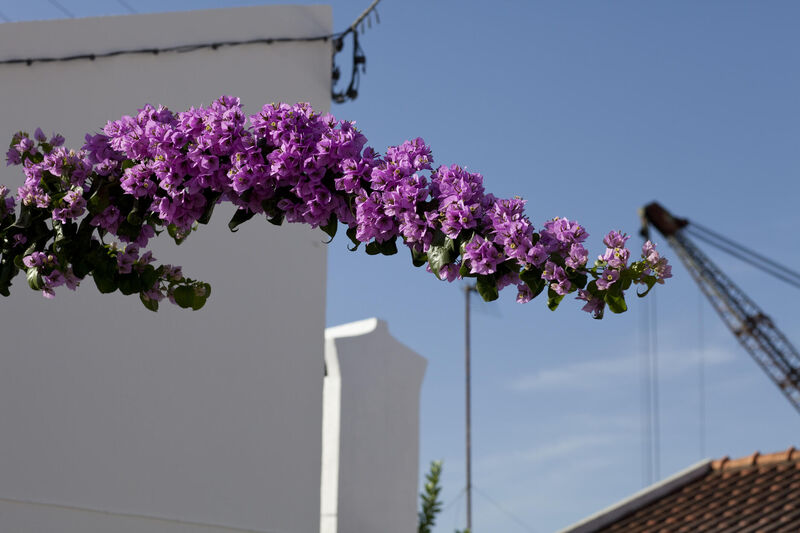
x=754 y=330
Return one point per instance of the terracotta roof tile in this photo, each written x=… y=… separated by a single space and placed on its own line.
x=752 y=494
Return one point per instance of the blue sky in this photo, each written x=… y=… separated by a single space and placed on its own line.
x=589 y=110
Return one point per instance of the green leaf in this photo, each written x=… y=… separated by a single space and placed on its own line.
x=134 y=218
x=98 y=201
x=553 y=299
x=389 y=247
x=148 y=303
x=626 y=279
x=81 y=267
x=351 y=234
x=616 y=302
x=331 y=227
x=578 y=280
x=615 y=289
x=129 y=283
x=35 y=280
x=177 y=235
x=592 y=288
x=105 y=280
x=508 y=266
x=441 y=254
x=201 y=294
x=129 y=230
x=487 y=287
x=149 y=277
x=240 y=217
x=557 y=259
x=211 y=203
x=418 y=259
x=650 y=281
x=7 y=271
x=184 y=296
x=277 y=219
x=25 y=217
x=532 y=277
x=61 y=240
x=373 y=248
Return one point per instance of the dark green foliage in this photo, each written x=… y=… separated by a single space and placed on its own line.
x=429 y=499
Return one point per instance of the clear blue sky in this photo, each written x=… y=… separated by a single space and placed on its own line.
x=589 y=110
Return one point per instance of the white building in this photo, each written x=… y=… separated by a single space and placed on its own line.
x=370 y=442
x=113 y=418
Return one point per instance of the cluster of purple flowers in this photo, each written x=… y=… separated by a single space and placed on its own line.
x=162 y=169
x=49 y=276
x=7 y=203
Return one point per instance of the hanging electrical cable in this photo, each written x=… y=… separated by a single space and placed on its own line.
x=505 y=511
x=359 y=61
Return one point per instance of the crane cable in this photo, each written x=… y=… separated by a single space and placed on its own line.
x=655 y=380
x=747 y=255
x=701 y=373
x=650 y=408
x=646 y=411
x=649 y=376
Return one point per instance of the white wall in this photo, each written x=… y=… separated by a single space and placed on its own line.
x=370 y=431
x=208 y=417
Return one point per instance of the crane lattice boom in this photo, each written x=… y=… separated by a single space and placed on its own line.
x=754 y=330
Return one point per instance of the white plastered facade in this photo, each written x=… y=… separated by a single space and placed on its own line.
x=113 y=418
x=370 y=430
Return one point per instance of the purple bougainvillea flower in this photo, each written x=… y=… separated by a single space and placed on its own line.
x=156 y=171
x=607 y=279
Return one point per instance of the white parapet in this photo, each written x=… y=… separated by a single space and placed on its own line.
x=114 y=418
x=370 y=438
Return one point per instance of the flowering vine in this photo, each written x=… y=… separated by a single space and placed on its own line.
x=93 y=212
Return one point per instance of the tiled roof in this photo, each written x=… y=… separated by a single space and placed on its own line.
x=753 y=494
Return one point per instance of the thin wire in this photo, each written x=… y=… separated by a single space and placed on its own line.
x=127 y=6
x=646 y=408
x=62 y=8
x=656 y=408
x=508 y=513
x=359 y=63
x=363 y=15
x=468 y=289
x=187 y=47
x=155 y=51
x=762 y=263
x=701 y=373
x=457 y=513
x=351 y=93
x=455 y=499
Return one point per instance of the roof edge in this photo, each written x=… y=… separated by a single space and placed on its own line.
x=356 y=328
x=638 y=500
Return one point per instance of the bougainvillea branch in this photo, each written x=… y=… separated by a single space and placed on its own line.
x=93 y=212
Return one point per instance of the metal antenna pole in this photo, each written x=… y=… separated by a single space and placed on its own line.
x=467 y=290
